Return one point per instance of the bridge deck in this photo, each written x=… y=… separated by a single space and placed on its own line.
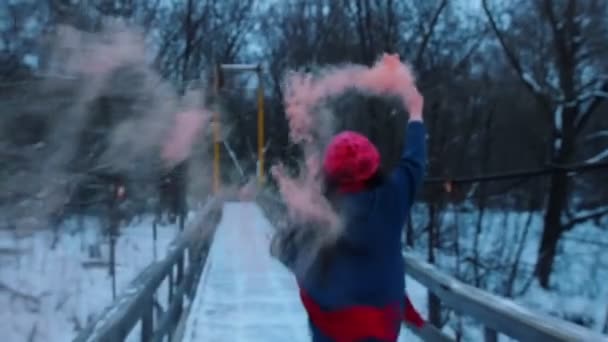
x=244 y=294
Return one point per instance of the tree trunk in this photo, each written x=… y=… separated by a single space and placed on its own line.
x=565 y=59
x=189 y=32
x=434 y=303
x=514 y=270
x=478 y=228
x=553 y=229
x=409 y=233
x=605 y=330
x=557 y=200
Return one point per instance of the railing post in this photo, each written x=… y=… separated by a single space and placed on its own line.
x=170 y=280
x=147 y=321
x=490 y=335
x=113 y=259
x=182 y=220
x=189 y=267
x=180 y=269
x=180 y=296
x=434 y=309
x=154 y=237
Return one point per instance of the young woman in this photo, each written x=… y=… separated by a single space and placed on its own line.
x=355 y=291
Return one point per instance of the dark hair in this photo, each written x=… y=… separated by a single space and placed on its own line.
x=329 y=252
x=288 y=243
x=330 y=187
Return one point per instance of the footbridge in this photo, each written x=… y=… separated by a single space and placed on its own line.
x=219 y=283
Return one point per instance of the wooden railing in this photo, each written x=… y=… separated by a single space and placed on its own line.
x=138 y=306
x=497 y=314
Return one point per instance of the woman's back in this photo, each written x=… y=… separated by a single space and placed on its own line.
x=365 y=267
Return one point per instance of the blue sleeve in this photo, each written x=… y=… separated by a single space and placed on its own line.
x=407 y=176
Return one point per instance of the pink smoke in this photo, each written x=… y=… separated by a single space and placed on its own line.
x=188 y=125
x=387 y=77
x=303 y=196
x=303 y=96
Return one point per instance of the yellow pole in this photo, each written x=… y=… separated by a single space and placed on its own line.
x=260 y=127
x=216 y=134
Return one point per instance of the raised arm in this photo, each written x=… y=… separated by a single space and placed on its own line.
x=409 y=172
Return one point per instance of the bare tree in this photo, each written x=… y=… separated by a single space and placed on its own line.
x=197 y=34
x=558 y=62
x=23 y=22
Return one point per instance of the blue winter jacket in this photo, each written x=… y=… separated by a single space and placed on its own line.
x=373 y=276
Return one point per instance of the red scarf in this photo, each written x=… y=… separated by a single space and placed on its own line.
x=360 y=322
x=349 y=188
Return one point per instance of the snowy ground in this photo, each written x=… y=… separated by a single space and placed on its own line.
x=47 y=294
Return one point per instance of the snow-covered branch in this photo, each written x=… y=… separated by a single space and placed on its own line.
x=598 y=157
x=595 y=99
x=531 y=82
x=30 y=299
x=233 y=157
x=597 y=135
x=590 y=95
x=586 y=216
x=515 y=61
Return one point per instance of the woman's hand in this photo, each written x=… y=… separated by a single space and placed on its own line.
x=398 y=78
x=414 y=102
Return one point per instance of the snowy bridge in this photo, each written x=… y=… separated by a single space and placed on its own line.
x=219 y=283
